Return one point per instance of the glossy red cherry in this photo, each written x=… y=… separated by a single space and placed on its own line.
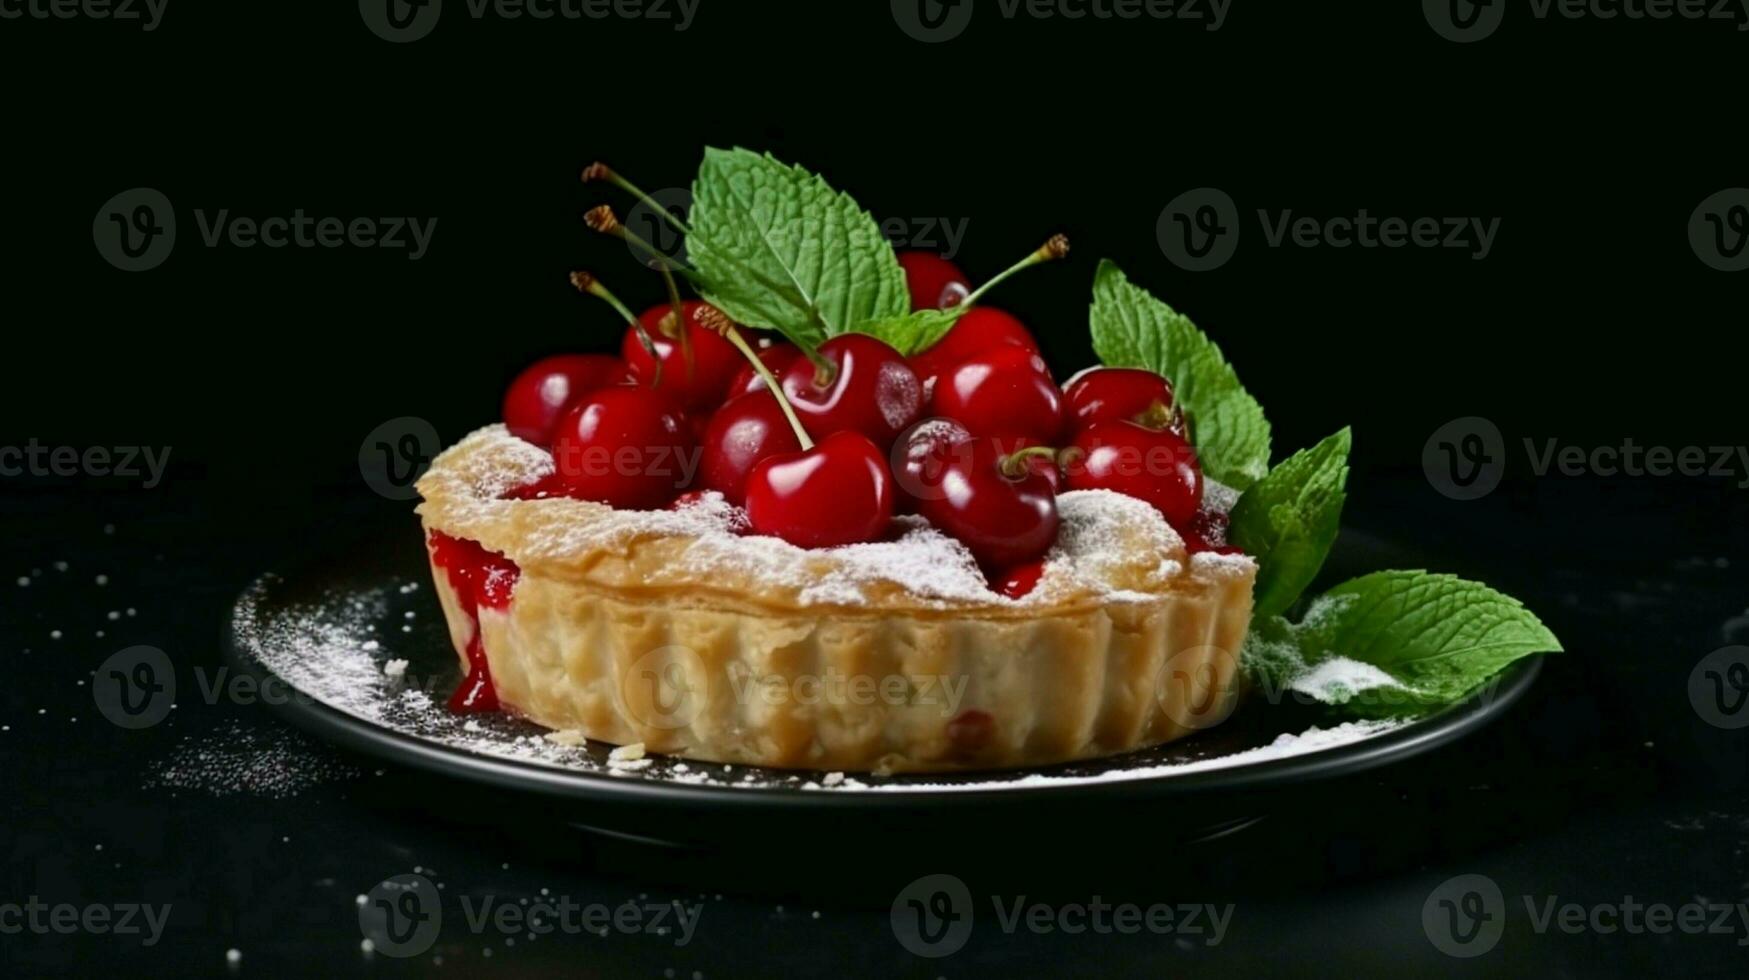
x=837 y=493
x=714 y=360
x=1018 y=582
x=873 y=393
x=980 y=329
x=1110 y=394
x=1004 y=391
x=542 y=392
x=746 y=431
x=1207 y=531
x=1155 y=465
x=935 y=283
x=630 y=448
x=920 y=458
x=1000 y=510
x=776 y=358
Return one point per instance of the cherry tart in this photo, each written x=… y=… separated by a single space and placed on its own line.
x=680 y=629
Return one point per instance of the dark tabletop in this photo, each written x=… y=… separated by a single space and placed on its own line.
x=1608 y=785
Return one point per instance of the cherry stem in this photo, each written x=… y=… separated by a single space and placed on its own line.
x=1050 y=251
x=587 y=283
x=712 y=318
x=1013 y=465
x=1158 y=416
x=601 y=171
x=605 y=221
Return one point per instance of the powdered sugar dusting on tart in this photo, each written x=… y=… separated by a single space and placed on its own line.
x=1110 y=547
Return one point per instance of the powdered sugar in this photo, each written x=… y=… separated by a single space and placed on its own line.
x=1109 y=547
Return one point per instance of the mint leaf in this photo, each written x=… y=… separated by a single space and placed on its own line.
x=912 y=332
x=1133 y=329
x=1435 y=638
x=779 y=248
x=1289 y=519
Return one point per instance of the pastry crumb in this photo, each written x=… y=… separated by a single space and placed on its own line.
x=832 y=779
x=627 y=753
x=395 y=668
x=568 y=737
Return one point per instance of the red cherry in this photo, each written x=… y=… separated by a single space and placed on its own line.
x=748 y=429
x=874 y=392
x=1000 y=510
x=542 y=392
x=1208 y=532
x=776 y=358
x=1155 y=465
x=979 y=330
x=714 y=360
x=629 y=448
x=919 y=457
x=1108 y=394
x=1004 y=391
x=837 y=493
x=936 y=283
x=1018 y=582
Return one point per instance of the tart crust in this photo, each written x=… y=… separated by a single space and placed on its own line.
x=672 y=630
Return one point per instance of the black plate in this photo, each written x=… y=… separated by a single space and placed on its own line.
x=652 y=805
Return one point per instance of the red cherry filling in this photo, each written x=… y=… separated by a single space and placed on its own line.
x=873 y=391
x=1004 y=391
x=749 y=429
x=776 y=358
x=839 y=492
x=542 y=392
x=935 y=283
x=629 y=448
x=479 y=578
x=979 y=330
x=1155 y=465
x=1111 y=394
x=714 y=360
x=1208 y=532
x=1004 y=513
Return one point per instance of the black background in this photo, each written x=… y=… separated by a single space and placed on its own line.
x=1592 y=321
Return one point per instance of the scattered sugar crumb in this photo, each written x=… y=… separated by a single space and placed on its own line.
x=395 y=668
x=102 y=580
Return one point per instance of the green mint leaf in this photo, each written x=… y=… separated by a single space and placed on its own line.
x=1395 y=643
x=779 y=248
x=1289 y=519
x=1133 y=329
x=912 y=332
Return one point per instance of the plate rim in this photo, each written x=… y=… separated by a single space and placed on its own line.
x=371 y=739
